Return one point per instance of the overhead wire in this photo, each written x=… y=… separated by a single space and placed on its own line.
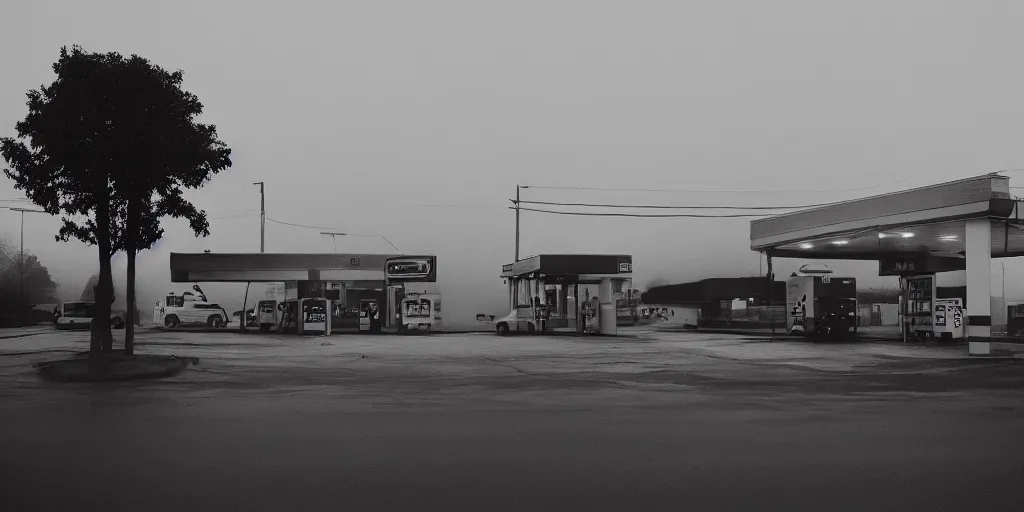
x=231 y=217
x=673 y=207
x=723 y=191
x=643 y=215
x=275 y=221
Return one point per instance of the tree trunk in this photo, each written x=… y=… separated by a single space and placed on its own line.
x=129 y=325
x=129 y=246
x=105 y=285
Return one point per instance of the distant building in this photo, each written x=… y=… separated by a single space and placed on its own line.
x=724 y=300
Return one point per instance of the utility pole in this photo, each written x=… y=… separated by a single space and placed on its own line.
x=771 y=284
x=21 y=257
x=263 y=216
x=332 y=235
x=21 y=265
x=517 y=221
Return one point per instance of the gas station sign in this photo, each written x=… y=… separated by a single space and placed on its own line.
x=919 y=265
x=412 y=269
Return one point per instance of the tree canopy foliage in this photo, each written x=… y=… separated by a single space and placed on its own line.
x=112 y=144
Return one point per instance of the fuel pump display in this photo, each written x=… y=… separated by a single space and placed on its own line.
x=314 y=316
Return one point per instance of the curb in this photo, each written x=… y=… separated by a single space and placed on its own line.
x=15 y=336
x=114 y=368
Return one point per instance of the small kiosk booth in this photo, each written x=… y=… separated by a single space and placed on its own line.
x=324 y=293
x=539 y=292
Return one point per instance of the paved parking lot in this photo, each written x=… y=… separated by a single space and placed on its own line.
x=651 y=421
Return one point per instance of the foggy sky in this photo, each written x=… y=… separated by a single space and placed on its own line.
x=342 y=107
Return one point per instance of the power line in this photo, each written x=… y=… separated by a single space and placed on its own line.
x=298 y=225
x=668 y=207
x=231 y=217
x=455 y=205
x=699 y=191
x=315 y=227
x=657 y=215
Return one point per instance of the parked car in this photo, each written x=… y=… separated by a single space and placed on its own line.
x=79 y=315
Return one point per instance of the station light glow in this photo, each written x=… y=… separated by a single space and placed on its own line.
x=806 y=246
x=948 y=238
x=882 y=235
x=841 y=242
x=907 y=235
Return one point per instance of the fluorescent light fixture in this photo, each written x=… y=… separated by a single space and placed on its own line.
x=841 y=242
x=907 y=235
x=948 y=238
x=806 y=246
x=882 y=235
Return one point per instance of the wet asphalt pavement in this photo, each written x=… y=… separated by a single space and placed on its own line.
x=657 y=421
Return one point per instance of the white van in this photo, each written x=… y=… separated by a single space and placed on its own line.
x=79 y=314
x=189 y=309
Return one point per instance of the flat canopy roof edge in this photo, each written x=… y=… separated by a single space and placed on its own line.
x=981 y=196
x=269 y=267
x=928 y=222
x=571 y=265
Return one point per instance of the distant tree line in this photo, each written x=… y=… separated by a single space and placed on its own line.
x=39 y=286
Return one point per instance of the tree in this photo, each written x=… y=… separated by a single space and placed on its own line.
x=39 y=285
x=112 y=143
x=171 y=152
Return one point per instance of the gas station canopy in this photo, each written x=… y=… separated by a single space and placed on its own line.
x=926 y=223
x=572 y=268
x=264 y=267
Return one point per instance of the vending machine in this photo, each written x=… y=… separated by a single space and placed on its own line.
x=421 y=311
x=948 y=321
x=1015 y=320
